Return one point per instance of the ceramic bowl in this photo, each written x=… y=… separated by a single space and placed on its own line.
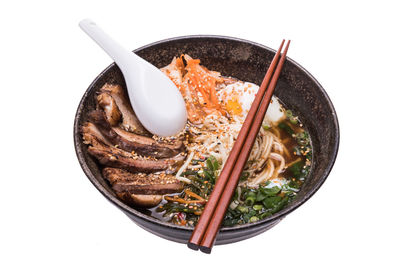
x=247 y=61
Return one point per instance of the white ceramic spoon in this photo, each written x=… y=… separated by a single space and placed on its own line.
x=155 y=99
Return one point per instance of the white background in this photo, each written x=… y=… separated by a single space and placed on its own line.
x=51 y=215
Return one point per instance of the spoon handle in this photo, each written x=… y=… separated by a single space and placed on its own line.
x=118 y=53
x=156 y=100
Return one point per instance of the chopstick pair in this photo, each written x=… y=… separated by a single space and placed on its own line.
x=206 y=230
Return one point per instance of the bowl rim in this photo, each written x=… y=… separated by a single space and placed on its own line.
x=131 y=211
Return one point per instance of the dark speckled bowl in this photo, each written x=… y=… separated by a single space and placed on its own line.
x=246 y=61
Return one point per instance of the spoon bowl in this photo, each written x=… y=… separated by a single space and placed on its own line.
x=155 y=99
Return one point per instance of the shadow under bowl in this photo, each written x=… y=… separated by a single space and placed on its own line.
x=247 y=61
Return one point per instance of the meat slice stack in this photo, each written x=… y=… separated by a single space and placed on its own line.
x=138 y=167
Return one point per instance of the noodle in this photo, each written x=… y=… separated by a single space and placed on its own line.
x=184 y=166
x=215 y=137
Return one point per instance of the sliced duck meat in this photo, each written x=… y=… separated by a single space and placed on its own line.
x=129 y=120
x=142 y=183
x=91 y=134
x=118 y=158
x=128 y=141
x=112 y=158
x=111 y=110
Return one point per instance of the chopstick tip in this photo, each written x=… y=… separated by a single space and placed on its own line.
x=286 y=48
x=206 y=250
x=193 y=246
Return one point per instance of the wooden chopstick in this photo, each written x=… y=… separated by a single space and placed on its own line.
x=201 y=227
x=220 y=210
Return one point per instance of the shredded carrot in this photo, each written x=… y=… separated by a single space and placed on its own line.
x=192 y=194
x=179 y=63
x=182 y=201
x=203 y=82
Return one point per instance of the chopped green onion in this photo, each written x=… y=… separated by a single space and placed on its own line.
x=293 y=120
x=289 y=115
x=250 y=200
x=302 y=138
x=270 y=191
x=266 y=127
x=260 y=196
x=250 y=194
x=257 y=207
x=254 y=219
x=243 y=209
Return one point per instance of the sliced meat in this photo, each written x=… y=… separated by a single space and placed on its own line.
x=118 y=158
x=91 y=134
x=145 y=201
x=142 y=183
x=129 y=120
x=128 y=141
x=107 y=103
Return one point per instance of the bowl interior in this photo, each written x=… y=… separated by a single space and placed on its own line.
x=246 y=61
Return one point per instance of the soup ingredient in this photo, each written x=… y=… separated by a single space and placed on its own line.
x=110 y=108
x=142 y=183
x=258 y=203
x=138 y=166
x=197 y=85
x=91 y=134
x=142 y=145
x=145 y=201
x=238 y=96
x=277 y=166
x=186 y=207
x=129 y=120
x=118 y=158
